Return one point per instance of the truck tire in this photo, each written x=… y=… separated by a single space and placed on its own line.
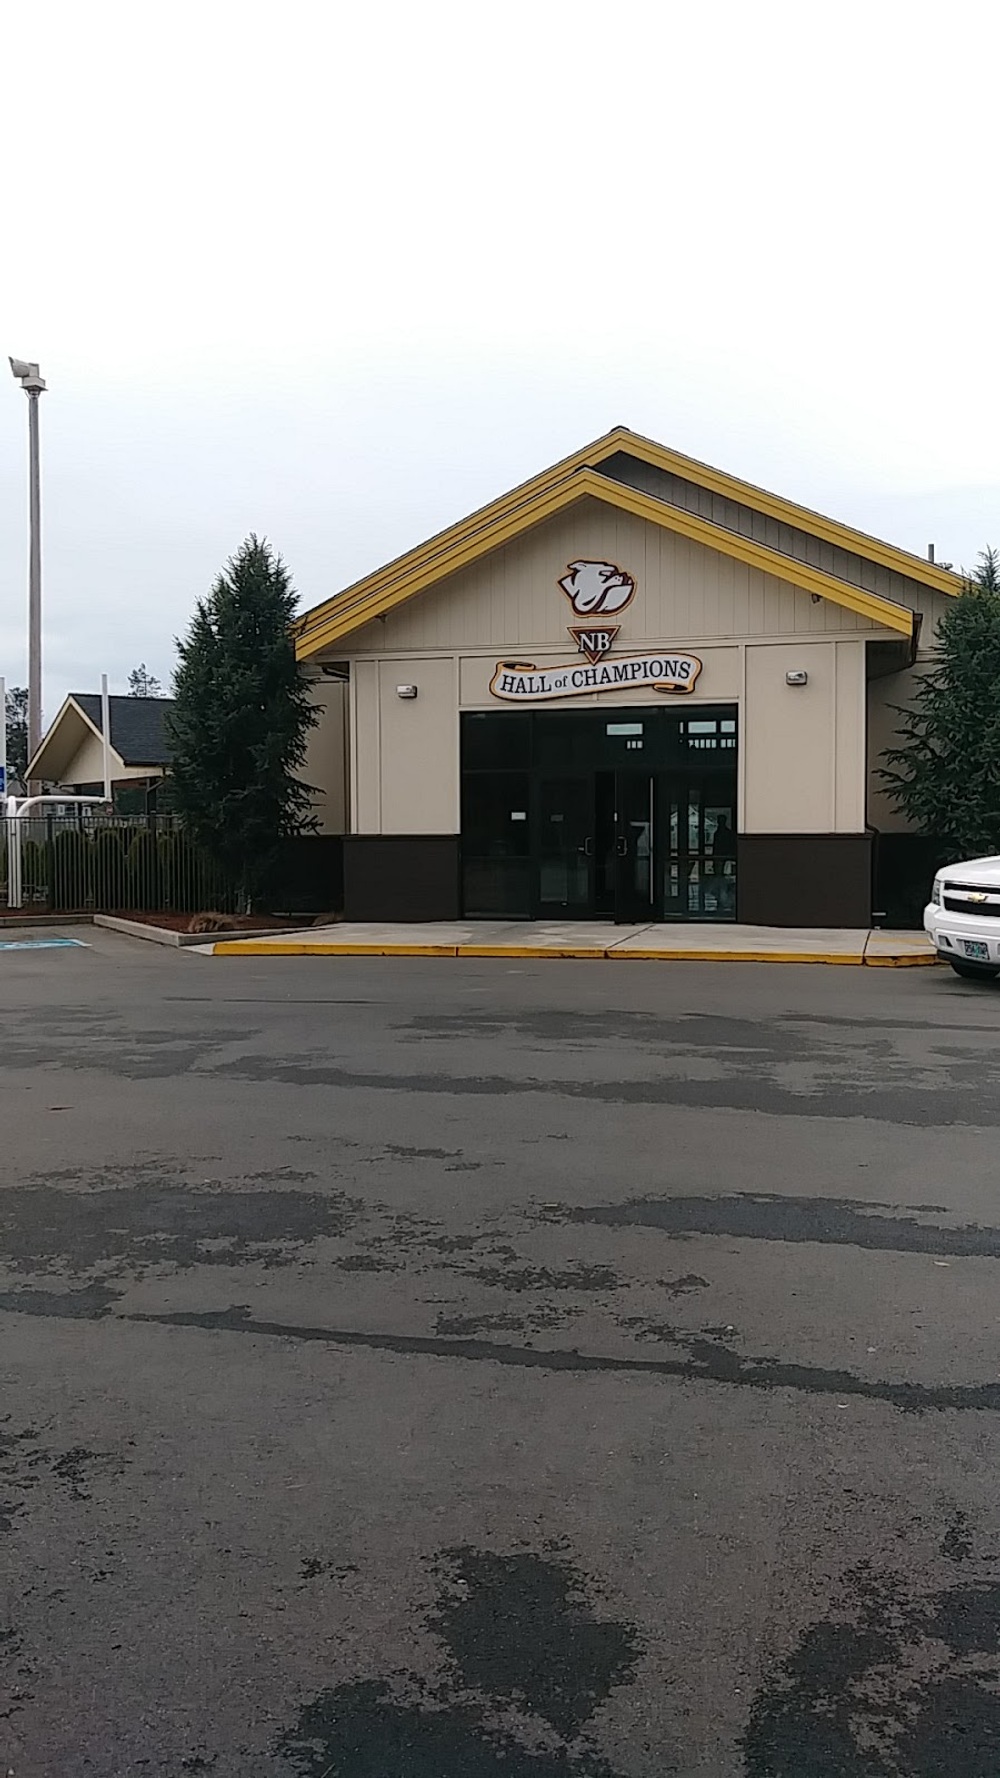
x=975 y=972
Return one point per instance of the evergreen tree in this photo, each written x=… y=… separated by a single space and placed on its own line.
x=240 y=721
x=945 y=773
x=17 y=732
x=143 y=684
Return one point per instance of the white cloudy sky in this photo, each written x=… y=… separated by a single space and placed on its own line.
x=338 y=273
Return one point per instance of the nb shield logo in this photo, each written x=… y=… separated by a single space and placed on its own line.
x=594 y=643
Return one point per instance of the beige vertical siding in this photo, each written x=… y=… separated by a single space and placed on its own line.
x=894 y=689
x=325 y=768
x=684 y=590
x=404 y=751
x=365 y=749
x=803 y=746
x=850 y=752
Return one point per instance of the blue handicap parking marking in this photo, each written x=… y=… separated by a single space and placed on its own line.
x=40 y=944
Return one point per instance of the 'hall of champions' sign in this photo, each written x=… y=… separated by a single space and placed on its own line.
x=521 y=683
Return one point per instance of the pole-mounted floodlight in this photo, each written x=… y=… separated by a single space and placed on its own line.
x=33 y=384
x=27 y=375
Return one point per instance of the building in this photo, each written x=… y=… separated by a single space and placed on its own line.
x=634 y=688
x=71 y=754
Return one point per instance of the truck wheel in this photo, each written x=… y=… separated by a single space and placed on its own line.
x=975 y=972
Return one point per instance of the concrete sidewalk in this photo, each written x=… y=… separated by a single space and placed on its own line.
x=721 y=943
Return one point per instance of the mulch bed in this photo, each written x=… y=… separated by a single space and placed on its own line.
x=241 y=922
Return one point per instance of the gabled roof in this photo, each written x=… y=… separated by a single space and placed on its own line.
x=579 y=476
x=138 y=726
x=138 y=733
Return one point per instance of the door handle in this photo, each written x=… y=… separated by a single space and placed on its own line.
x=588 y=847
x=622 y=846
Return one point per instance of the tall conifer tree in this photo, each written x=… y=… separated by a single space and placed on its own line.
x=241 y=717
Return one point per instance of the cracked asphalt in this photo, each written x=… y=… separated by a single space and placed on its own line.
x=433 y=1369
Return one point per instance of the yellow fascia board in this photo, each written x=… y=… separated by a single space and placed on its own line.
x=755 y=555
x=401 y=567
x=859 y=543
x=343 y=621
x=645 y=450
x=465 y=550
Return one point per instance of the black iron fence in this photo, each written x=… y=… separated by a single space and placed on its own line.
x=84 y=862
x=90 y=861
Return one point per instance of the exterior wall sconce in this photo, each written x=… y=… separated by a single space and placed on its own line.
x=406 y=691
x=798 y=676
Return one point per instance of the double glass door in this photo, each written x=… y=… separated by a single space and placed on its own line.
x=635 y=846
x=595 y=846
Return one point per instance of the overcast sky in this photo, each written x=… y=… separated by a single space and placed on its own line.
x=337 y=274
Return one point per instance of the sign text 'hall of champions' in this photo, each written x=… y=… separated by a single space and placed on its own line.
x=522 y=683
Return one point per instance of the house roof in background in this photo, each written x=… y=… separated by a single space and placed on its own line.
x=138 y=726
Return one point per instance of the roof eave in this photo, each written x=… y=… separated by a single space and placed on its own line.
x=344 y=621
x=730 y=487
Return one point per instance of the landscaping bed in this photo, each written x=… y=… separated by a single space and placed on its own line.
x=245 y=922
x=154 y=926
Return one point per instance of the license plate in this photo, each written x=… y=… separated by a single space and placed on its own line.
x=975 y=948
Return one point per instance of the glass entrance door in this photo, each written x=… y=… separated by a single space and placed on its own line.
x=564 y=843
x=627 y=814
x=700 y=863
x=636 y=889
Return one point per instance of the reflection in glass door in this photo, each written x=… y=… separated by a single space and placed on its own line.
x=565 y=846
x=700 y=862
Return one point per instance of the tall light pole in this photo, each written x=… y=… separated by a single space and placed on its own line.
x=34 y=386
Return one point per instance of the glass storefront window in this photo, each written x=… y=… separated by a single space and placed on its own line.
x=496 y=843
x=627 y=813
x=496 y=741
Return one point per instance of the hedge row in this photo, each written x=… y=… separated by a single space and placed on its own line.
x=114 y=869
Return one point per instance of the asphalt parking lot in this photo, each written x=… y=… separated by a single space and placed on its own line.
x=435 y=1369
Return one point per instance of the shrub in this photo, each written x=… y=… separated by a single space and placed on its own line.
x=143 y=872
x=72 y=884
x=109 y=868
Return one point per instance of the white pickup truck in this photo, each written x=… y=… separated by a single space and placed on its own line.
x=962 y=918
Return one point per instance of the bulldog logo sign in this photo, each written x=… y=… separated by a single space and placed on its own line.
x=595 y=590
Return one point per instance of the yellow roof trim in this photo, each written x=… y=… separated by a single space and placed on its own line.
x=646 y=451
x=443 y=541
x=755 y=555
x=346 y=616
x=859 y=543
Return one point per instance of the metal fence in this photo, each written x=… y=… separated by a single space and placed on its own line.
x=86 y=862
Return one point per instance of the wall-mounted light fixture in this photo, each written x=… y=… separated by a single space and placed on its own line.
x=406 y=691
x=797 y=676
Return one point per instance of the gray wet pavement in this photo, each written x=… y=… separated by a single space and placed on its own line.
x=435 y=1369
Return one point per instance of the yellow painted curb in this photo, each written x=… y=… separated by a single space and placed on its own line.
x=295 y=948
x=531 y=951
